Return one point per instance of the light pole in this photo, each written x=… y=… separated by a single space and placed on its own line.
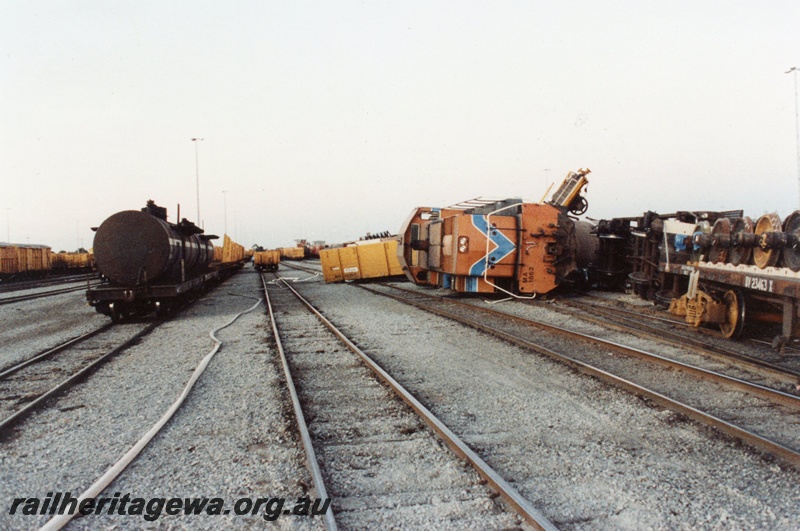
x=197 y=174
x=8 y=225
x=796 y=122
x=225 y=208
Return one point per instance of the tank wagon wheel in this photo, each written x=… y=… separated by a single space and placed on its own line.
x=720 y=241
x=162 y=308
x=579 y=206
x=734 y=325
x=116 y=312
x=742 y=240
x=791 y=253
x=764 y=256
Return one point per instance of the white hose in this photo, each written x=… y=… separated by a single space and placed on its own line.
x=293 y=279
x=59 y=521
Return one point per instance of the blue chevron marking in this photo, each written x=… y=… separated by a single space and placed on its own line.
x=503 y=248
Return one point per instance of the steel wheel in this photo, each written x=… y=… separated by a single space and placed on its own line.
x=740 y=254
x=720 y=241
x=766 y=257
x=734 y=301
x=791 y=254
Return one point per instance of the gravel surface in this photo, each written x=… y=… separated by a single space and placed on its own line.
x=756 y=341
x=30 y=327
x=589 y=456
x=781 y=424
x=382 y=466
x=34 y=380
x=231 y=439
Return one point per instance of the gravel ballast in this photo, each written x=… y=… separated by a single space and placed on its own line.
x=232 y=438
x=589 y=456
x=30 y=327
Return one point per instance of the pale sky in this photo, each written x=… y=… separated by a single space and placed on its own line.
x=324 y=120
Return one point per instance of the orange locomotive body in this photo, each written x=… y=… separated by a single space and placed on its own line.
x=521 y=249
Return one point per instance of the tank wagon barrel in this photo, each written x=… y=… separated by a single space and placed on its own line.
x=139 y=247
x=152 y=264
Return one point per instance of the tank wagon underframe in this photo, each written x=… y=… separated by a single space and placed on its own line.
x=121 y=301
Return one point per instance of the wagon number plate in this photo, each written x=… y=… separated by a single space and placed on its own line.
x=760 y=284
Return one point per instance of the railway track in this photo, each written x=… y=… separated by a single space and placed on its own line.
x=633 y=323
x=367 y=440
x=663 y=329
x=39 y=295
x=8 y=286
x=28 y=385
x=759 y=416
x=11 y=369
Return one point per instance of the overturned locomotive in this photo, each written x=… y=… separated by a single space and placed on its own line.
x=511 y=247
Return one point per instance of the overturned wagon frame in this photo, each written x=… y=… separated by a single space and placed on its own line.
x=775 y=285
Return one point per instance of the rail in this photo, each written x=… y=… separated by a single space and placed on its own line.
x=305 y=437
x=790 y=455
x=511 y=496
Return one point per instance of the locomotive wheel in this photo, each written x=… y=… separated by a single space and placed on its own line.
x=791 y=254
x=741 y=255
x=719 y=252
x=767 y=257
x=734 y=302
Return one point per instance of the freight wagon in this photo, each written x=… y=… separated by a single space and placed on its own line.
x=267 y=260
x=24 y=260
x=361 y=260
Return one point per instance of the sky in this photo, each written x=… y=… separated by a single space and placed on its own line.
x=327 y=120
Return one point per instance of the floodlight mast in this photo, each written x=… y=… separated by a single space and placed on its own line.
x=796 y=124
x=197 y=175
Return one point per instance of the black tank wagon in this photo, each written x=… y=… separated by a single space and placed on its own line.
x=151 y=264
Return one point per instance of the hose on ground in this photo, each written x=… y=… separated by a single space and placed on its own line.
x=59 y=521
